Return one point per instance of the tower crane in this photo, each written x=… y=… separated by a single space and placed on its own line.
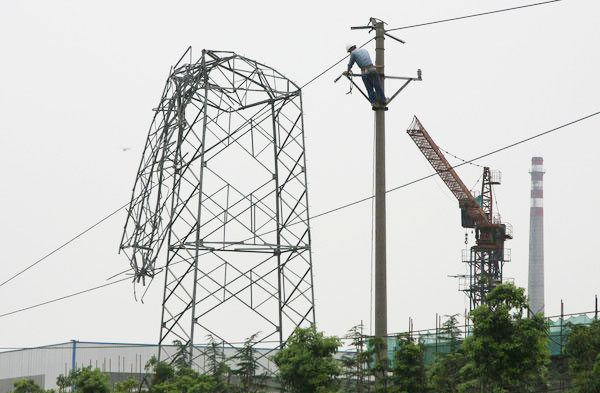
x=487 y=257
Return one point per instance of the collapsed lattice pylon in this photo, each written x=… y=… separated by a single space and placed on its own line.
x=221 y=197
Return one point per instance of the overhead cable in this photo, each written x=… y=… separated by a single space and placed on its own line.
x=431 y=23
x=63 y=297
x=330 y=67
x=303 y=86
x=348 y=204
x=461 y=164
x=64 y=244
x=473 y=15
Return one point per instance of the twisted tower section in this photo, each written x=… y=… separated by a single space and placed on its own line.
x=221 y=197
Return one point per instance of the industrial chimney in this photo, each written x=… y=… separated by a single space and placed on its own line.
x=535 y=286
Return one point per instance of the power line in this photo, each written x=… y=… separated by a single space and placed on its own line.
x=465 y=162
x=303 y=86
x=330 y=67
x=461 y=164
x=64 y=244
x=431 y=23
x=63 y=297
x=348 y=204
x=306 y=84
x=473 y=15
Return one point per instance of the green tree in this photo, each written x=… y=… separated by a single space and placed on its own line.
x=506 y=352
x=182 y=355
x=161 y=371
x=306 y=364
x=186 y=380
x=166 y=379
x=583 y=351
x=217 y=368
x=408 y=370
x=247 y=365
x=450 y=333
x=380 y=369
x=27 y=386
x=127 y=386
x=63 y=382
x=355 y=365
x=91 y=381
x=444 y=374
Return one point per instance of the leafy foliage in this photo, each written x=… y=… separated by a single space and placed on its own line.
x=408 y=370
x=506 y=352
x=27 y=386
x=161 y=371
x=450 y=332
x=355 y=365
x=306 y=364
x=381 y=364
x=63 y=382
x=182 y=356
x=217 y=368
x=444 y=375
x=91 y=381
x=185 y=380
x=129 y=385
x=583 y=350
x=247 y=366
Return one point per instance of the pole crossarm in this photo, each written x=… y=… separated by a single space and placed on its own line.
x=349 y=77
x=407 y=80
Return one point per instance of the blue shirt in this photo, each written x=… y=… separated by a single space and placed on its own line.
x=360 y=57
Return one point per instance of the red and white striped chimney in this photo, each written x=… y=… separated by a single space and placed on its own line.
x=535 y=286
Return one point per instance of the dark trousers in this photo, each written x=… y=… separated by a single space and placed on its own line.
x=372 y=82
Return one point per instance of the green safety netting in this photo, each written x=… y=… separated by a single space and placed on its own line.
x=560 y=329
x=435 y=345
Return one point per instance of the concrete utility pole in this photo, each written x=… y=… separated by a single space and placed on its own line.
x=380 y=215
x=380 y=191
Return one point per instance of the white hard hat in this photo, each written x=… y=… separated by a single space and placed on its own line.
x=350 y=46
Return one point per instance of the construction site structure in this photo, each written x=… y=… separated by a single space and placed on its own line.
x=535 y=281
x=486 y=258
x=221 y=197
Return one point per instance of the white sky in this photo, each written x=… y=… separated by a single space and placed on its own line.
x=78 y=80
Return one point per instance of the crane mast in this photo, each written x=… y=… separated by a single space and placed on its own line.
x=487 y=257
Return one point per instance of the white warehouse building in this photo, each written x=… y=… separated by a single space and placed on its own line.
x=119 y=360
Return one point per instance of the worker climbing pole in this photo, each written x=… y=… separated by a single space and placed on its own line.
x=374 y=77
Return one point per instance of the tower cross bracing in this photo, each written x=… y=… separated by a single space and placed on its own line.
x=221 y=197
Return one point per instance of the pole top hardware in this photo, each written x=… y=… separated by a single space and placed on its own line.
x=371 y=26
x=373 y=20
x=379 y=25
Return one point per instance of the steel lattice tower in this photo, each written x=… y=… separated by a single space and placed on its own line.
x=221 y=196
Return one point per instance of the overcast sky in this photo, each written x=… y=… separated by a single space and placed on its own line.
x=79 y=79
